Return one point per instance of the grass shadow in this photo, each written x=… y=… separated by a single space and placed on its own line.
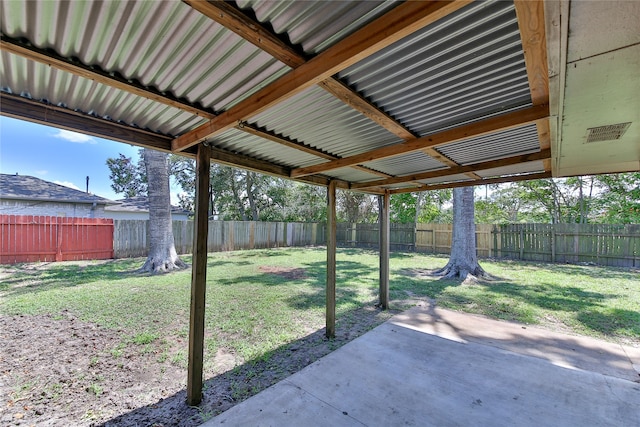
x=609 y=323
x=31 y=278
x=521 y=302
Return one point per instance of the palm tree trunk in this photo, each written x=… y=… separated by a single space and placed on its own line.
x=463 y=262
x=162 y=253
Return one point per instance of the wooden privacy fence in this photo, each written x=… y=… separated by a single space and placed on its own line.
x=25 y=238
x=605 y=244
x=28 y=238
x=431 y=238
x=130 y=236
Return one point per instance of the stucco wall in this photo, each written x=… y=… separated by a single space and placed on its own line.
x=77 y=210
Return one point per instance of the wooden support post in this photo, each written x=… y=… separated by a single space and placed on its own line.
x=331 y=259
x=198 y=278
x=384 y=250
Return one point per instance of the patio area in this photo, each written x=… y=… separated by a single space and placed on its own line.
x=435 y=367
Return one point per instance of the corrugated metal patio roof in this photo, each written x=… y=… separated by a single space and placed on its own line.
x=204 y=72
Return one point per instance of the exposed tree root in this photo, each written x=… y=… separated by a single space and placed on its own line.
x=157 y=265
x=468 y=274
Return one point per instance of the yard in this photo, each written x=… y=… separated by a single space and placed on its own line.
x=85 y=343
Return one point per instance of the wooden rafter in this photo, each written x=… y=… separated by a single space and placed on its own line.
x=531 y=22
x=530 y=15
x=356 y=101
x=252 y=31
x=94 y=73
x=228 y=158
x=400 y=22
x=483 y=127
x=233 y=19
x=271 y=136
x=491 y=164
x=513 y=178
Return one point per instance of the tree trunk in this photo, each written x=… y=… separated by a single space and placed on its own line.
x=251 y=197
x=236 y=196
x=162 y=253
x=463 y=262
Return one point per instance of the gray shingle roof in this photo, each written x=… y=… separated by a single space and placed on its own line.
x=24 y=187
x=137 y=204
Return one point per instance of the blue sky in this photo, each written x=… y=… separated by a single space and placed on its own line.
x=60 y=156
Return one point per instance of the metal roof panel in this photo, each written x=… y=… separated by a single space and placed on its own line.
x=461 y=68
x=528 y=167
x=165 y=45
x=41 y=82
x=512 y=142
x=406 y=164
x=444 y=179
x=240 y=142
x=322 y=121
x=316 y=25
x=351 y=175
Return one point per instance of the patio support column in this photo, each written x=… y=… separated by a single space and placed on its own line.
x=384 y=250
x=331 y=259
x=198 y=277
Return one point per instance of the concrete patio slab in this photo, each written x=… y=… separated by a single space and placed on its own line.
x=434 y=367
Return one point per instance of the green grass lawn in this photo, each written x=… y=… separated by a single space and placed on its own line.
x=260 y=300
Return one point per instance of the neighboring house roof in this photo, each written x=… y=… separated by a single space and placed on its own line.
x=139 y=204
x=24 y=187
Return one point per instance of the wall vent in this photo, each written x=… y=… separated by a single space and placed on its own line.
x=607 y=133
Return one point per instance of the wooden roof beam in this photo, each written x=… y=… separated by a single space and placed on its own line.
x=508 y=161
x=475 y=129
x=512 y=178
x=50 y=115
x=396 y=24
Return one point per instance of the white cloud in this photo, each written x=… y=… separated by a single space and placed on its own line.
x=67 y=184
x=76 y=137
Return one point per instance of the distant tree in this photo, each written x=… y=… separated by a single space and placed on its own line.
x=463 y=262
x=127 y=178
x=355 y=207
x=183 y=170
x=403 y=208
x=304 y=203
x=618 y=200
x=425 y=207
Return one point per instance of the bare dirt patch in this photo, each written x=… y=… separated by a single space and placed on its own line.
x=290 y=273
x=60 y=371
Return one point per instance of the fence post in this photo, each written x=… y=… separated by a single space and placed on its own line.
x=576 y=242
x=314 y=234
x=58 y=239
x=354 y=234
x=553 y=243
x=433 y=241
x=494 y=247
x=521 y=242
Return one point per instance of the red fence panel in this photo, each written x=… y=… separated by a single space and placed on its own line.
x=28 y=238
